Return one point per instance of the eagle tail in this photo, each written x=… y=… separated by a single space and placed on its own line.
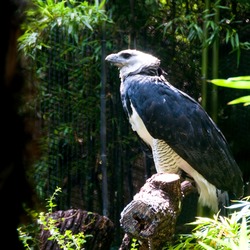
x=223 y=202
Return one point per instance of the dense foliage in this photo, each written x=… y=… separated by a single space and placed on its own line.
x=219 y=232
x=60 y=45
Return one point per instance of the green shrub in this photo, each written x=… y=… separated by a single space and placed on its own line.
x=219 y=232
x=66 y=240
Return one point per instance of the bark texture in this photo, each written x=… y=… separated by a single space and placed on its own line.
x=99 y=230
x=151 y=216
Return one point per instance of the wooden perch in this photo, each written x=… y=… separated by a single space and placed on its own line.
x=100 y=229
x=151 y=216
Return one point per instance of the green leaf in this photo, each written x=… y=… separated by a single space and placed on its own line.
x=243 y=99
x=207 y=247
x=102 y=4
x=227 y=36
x=243 y=235
x=239 y=78
x=242 y=82
x=237 y=40
x=239 y=82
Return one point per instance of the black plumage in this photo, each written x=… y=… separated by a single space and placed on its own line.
x=174 y=117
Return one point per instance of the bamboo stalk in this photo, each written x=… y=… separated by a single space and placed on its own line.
x=215 y=67
x=204 y=71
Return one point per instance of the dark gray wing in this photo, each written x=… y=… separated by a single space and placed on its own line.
x=173 y=116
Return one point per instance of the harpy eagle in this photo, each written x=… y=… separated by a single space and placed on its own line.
x=178 y=131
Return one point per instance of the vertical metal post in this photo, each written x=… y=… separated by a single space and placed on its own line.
x=201 y=211
x=215 y=68
x=103 y=126
x=204 y=60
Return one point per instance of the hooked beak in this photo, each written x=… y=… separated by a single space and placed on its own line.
x=114 y=59
x=110 y=57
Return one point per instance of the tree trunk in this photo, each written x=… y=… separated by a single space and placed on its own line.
x=151 y=216
x=99 y=229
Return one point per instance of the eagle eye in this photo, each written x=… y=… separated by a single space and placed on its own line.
x=126 y=55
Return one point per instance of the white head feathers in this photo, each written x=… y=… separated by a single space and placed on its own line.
x=133 y=62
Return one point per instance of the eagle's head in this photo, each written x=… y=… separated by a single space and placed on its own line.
x=132 y=62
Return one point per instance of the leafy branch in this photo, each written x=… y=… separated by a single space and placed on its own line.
x=219 y=232
x=240 y=82
x=66 y=240
x=71 y=16
x=189 y=28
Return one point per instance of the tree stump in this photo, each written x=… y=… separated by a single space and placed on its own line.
x=100 y=229
x=151 y=216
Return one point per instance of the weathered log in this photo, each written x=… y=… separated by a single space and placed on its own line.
x=151 y=216
x=99 y=230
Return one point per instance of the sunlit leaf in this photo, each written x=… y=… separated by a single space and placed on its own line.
x=243 y=99
x=207 y=247
x=243 y=235
x=242 y=82
x=239 y=78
